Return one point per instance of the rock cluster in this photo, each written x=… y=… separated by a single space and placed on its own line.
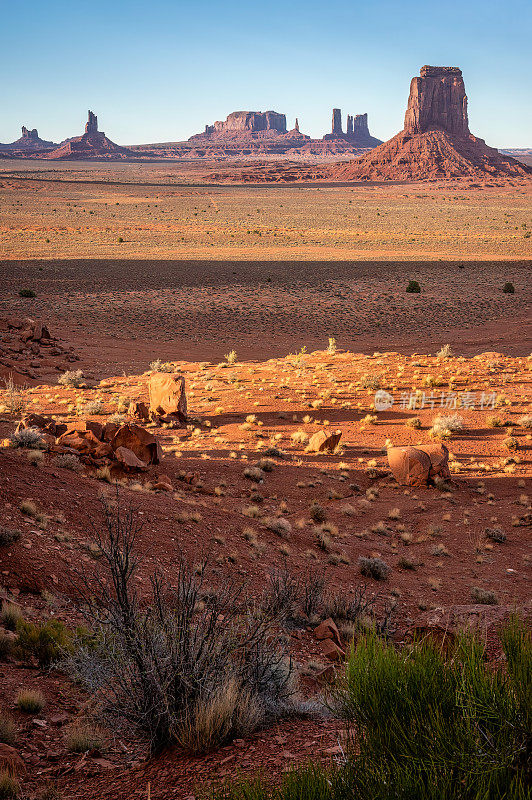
x=27 y=350
x=129 y=445
x=357 y=130
x=28 y=142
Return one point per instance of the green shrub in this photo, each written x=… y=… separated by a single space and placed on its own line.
x=426 y=726
x=508 y=288
x=413 y=287
x=47 y=641
x=27 y=293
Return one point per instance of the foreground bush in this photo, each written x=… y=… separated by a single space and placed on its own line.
x=193 y=667
x=425 y=727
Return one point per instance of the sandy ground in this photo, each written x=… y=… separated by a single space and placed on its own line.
x=189 y=284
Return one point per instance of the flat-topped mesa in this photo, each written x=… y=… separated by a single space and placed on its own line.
x=437 y=101
x=92 y=123
x=250 y=122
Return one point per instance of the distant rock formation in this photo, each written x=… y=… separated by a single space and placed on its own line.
x=357 y=130
x=246 y=123
x=435 y=142
x=92 y=144
x=92 y=123
x=336 y=122
x=29 y=141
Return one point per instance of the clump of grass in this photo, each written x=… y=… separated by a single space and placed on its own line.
x=27 y=437
x=484 y=596
x=511 y=443
x=331 y=347
x=161 y=366
x=525 y=421
x=230 y=711
x=413 y=422
x=317 y=512
x=9 y=785
x=94 y=407
x=445 y=352
x=443 y=426
x=35 y=457
x=254 y=474
x=68 y=461
x=82 y=737
x=47 y=641
x=280 y=526
x=14 y=396
x=494 y=422
x=71 y=378
x=8 y=731
x=10 y=616
x=413 y=287
x=372 y=567
x=508 y=288
x=30 y=702
x=8 y=536
x=27 y=293
x=230 y=357
x=371 y=381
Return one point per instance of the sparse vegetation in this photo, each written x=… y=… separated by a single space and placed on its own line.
x=508 y=288
x=9 y=786
x=27 y=437
x=14 y=396
x=71 y=378
x=372 y=567
x=68 y=461
x=30 y=702
x=413 y=287
x=8 y=536
x=172 y=669
x=483 y=596
x=423 y=726
x=29 y=293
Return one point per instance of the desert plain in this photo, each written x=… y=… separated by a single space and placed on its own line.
x=285 y=308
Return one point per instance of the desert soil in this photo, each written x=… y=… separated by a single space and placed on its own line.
x=188 y=284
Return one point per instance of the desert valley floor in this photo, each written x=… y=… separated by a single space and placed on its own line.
x=240 y=288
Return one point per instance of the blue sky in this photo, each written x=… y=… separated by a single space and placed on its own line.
x=159 y=71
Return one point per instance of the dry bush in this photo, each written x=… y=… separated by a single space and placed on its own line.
x=373 y=568
x=157 y=667
x=68 y=461
x=14 y=397
x=71 y=378
x=8 y=536
x=483 y=596
x=27 y=437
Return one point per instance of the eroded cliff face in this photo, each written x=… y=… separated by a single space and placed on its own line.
x=437 y=101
